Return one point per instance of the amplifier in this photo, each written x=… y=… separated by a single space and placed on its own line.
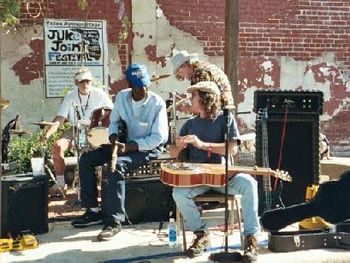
x=24 y=206
x=146 y=200
x=297 y=102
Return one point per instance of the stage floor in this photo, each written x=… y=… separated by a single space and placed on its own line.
x=146 y=243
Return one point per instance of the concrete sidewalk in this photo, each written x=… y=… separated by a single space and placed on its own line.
x=144 y=243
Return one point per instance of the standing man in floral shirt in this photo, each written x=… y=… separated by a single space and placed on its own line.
x=188 y=66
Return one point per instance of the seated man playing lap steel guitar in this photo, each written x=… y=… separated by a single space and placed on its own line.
x=202 y=140
x=144 y=114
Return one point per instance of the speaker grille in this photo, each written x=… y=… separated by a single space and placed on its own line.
x=24 y=205
x=300 y=151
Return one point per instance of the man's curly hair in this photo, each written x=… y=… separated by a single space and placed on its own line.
x=211 y=103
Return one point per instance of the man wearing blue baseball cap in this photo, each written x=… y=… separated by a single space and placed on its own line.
x=144 y=114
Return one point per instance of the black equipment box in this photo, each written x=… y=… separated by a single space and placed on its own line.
x=24 y=206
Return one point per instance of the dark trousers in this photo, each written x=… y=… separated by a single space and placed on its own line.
x=115 y=203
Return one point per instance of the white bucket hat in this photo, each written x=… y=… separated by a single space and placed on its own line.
x=181 y=57
x=83 y=74
x=205 y=86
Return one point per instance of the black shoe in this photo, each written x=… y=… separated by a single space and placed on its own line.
x=110 y=229
x=201 y=242
x=90 y=218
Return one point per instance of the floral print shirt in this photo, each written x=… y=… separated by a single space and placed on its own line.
x=204 y=71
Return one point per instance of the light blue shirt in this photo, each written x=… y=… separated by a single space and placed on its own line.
x=148 y=129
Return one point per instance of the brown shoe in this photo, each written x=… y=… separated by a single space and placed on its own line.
x=200 y=243
x=250 y=249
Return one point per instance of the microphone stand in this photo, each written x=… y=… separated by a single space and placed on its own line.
x=226 y=256
x=76 y=136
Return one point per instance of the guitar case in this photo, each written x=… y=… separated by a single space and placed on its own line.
x=287 y=241
x=331 y=202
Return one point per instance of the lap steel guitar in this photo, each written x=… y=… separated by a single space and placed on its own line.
x=194 y=174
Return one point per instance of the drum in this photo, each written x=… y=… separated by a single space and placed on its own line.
x=98 y=130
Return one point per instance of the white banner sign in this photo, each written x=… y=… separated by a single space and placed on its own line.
x=69 y=45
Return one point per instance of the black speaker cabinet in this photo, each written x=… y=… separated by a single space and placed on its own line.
x=146 y=200
x=298 y=149
x=24 y=206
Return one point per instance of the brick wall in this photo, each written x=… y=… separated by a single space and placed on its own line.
x=299 y=29
x=302 y=29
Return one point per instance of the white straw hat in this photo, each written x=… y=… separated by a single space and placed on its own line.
x=181 y=57
x=205 y=86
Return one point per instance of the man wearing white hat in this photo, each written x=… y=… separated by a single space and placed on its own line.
x=77 y=105
x=202 y=140
x=188 y=66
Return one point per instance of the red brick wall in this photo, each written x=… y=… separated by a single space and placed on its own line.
x=202 y=18
x=300 y=29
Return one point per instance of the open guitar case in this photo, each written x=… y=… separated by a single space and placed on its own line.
x=331 y=202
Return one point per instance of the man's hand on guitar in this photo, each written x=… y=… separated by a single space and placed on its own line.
x=194 y=140
x=180 y=142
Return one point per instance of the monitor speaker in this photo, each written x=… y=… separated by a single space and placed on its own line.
x=24 y=205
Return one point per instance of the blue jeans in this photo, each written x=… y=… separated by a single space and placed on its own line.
x=115 y=207
x=242 y=184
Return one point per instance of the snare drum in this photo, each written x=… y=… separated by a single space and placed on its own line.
x=98 y=130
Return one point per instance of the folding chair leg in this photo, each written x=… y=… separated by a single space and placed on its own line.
x=184 y=245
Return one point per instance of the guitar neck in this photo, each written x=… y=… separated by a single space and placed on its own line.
x=251 y=170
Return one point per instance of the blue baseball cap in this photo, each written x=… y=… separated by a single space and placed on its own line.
x=138 y=76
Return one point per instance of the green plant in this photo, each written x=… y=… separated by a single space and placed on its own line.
x=83 y=4
x=23 y=148
x=10 y=13
x=126 y=24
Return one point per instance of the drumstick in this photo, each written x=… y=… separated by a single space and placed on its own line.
x=114 y=157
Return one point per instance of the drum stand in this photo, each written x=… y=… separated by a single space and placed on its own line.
x=46 y=167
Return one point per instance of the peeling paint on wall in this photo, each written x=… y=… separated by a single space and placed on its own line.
x=151 y=52
x=330 y=75
x=31 y=66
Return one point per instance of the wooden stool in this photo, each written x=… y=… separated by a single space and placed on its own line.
x=233 y=201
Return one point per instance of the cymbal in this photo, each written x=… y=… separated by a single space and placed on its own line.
x=4 y=103
x=44 y=123
x=20 y=132
x=158 y=77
